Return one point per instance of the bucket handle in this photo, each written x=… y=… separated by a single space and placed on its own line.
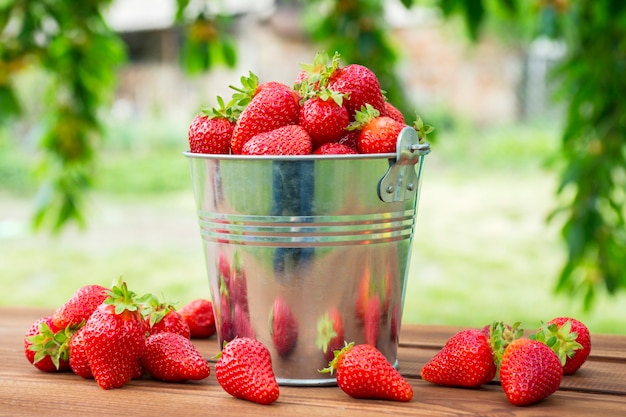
x=400 y=183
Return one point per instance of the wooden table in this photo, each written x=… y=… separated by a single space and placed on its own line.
x=599 y=388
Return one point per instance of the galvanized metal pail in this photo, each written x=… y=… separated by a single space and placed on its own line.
x=297 y=246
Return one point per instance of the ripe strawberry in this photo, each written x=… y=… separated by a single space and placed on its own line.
x=172 y=357
x=286 y=140
x=574 y=338
x=244 y=370
x=334 y=148
x=379 y=134
x=283 y=327
x=466 y=360
x=210 y=134
x=324 y=118
x=330 y=333
x=164 y=318
x=364 y=372
x=274 y=105
x=394 y=113
x=75 y=311
x=361 y=87
x=79 y=362
x=115 y=335
x=350 y=139
x=198 y=314
x=45 y=347
x=530 y=372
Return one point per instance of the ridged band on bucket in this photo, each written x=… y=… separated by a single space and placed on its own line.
x=309 y=231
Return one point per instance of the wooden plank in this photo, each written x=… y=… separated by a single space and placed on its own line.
x=27 y=391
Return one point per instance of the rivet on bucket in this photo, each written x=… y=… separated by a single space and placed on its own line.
x=292 y=241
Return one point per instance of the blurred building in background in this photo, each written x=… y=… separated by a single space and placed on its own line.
x=483 y=83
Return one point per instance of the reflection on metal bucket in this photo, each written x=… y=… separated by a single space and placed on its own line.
x=300 y=249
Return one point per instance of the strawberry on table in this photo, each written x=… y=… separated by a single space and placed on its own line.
x=244 y=370
x=77 y=309
x=364 y=372
x=45 y=346
x=530 y=372
x=574 y=341
x=79 y=362
x=198 y=314
x=115 y=334
x=466 y=360
x=163 y=317
x=172 y=357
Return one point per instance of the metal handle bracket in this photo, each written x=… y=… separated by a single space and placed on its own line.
x=401 y=181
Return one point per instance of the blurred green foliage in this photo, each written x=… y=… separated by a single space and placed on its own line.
x=80 y=53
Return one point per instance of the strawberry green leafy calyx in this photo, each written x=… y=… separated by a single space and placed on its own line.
x=421 y=128
x=315 y=76
x=46 y=346
x=562 y=340
x=579 y=357
x=122 y=299
x=500 y=336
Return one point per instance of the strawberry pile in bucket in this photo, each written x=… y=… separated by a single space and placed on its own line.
x=329 y=110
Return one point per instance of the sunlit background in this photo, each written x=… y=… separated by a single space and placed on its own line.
x=483 y=247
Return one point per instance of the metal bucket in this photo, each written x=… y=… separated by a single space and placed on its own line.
x=288 y=240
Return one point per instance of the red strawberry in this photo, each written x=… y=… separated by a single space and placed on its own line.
x=379 y=134
x=209 y=134
x=286 y=140
x=244 y=370
x=198 y=314
x=172 y=357
x=330 y=333
x=364 y=372
x=324 y=118
x=115 y=334
x=283 y=327
x=79 y=362
x=334 y=148
x=466 y=360
x=350 y=139
x=530 y=372
x=164 y=318
x=45 y=347
x=274 y=105
x=394 y=113
x=361 y=87
x=574 y=341
x=75 y=311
